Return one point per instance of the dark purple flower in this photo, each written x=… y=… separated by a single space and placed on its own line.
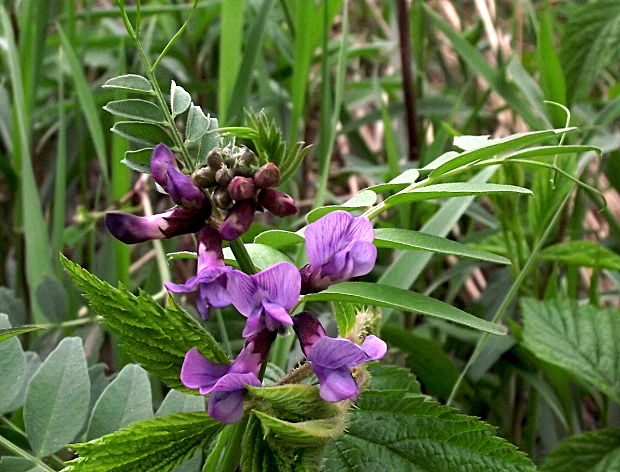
x=339 y=247
x=278 y=203
x=265 y=298
x=180 y=186
x=132 y=229
x=226 y=382
x=333 y=358
x=211 y=274
x=241 y=188
x=238 y=220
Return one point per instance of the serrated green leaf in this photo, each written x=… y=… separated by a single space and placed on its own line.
x=594 y=451
x=262 y=256
x=7 y=333
x=136 y=109
x=311 y=433
x=12 y=366
x=395 y=430
x=582 y=253
x=155 y=337
x=398 y=183
x=133 y=82
x=494 y=147
x=59 y=386
x=180 y=99
x=139 y=160
x=177 y=402
x=582 y=339
x=277 y=238
x=346 y=315
x=389 y=377
x=143 y=134
x=453 y=189
x=361 y=201
x=155 y=445
x=127 y=399
x=197 y=124
x=408 y=239
x=399 y=299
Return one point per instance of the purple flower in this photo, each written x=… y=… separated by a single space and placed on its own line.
x=339 y=247
x=333 y=358
x=238 y=220
x=132 y=229
x=181 y=188
x=226 y=382
x=211 y=274
x=265 y=298
x=278 y=203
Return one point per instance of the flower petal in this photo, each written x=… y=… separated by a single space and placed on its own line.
x=282 y=283
x=363 y=255
x=209 y=249
x=182 y=190
x=161 y=158
x=336 y=384
x=308 y=329
x=199 y=372
x=254 y=324
x=132 y=229
x=215 y=293
x=242 y=289
x=374 y=347
x=276 y=317
x=189 y=286
x=226 y=407
x=333 y=353
x=238 y=220
x=235 y=381
x=325 y=236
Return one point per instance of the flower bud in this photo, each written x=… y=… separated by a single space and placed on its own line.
x=241 y=188
x=221 y=198
x=230 y=160
x=238 y=220
x=214 y=160
x=267 y=176
x=183 y=191
x=204 y=177
x=242 y=170
x=278 y=203
x=248 y=158
x=223 y=176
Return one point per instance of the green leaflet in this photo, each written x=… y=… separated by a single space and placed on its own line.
x=155 y=445
x=394 y=429
x=132 y=82
x=155 y=337
x=180 y=99
x=7 y=333
x=582 y=339
x=12 y=366
x=399 y=299
x=365 y=199
x=136 y=109
x=594 y=451
x=59 y=386
x=582 y=253
x=262 y=256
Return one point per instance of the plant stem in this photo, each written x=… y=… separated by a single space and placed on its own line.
x=11 y=425
x=243 y=258
x=9 y=446
x=223 y=332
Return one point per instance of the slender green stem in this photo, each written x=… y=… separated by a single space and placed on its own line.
x=243 y=258
x=223 y=331
x=514 y=289
x=176 y=36
x=14 y=448
x=11 y=425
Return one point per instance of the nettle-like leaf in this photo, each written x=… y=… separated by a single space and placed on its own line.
x=582 y=253
x=155 y=337
x=582 y=339
x=397 y=429
x=155 y=445
x=594 y=451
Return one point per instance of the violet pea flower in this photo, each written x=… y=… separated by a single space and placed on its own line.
x=132 y=229
x=211 y=274
x=339 y=247
x=225 y=383
x=265 y=298
x=333 y=358
x=181 y=188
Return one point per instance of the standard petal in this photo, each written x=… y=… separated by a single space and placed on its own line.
x=161 y=158
x=201 y=373
x=132 y=229
x=336 y=384
x=374 y=347
x=308 y=329
x=276 y=317
x=235 y=381
x=326 y=236
x=282 y=283
x=226 y=407
x=360 y=228
x=333 y=353
x=363 y=255
x=242 y=289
